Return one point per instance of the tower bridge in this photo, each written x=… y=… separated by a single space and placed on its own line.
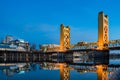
x=103 y=42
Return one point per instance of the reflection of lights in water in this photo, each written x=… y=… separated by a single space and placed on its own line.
x=13 y=67
x=115 y=75
x=85 y=71
x=21 y=72
x=21 y=65
x=8 y=72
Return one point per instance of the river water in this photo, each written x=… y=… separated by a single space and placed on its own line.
x=80 y=68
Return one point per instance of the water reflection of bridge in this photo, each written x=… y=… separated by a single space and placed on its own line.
x=96 y=62
x=102 y=70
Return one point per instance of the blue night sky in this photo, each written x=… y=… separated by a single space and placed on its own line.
x=38 y=21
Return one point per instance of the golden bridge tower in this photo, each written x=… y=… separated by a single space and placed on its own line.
x=64 y=72
x=64 y=37
x=102 y=31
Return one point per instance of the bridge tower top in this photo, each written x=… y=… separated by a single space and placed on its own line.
x=64 y=37
x=102 y=31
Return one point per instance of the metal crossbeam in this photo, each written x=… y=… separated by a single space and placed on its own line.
x=93 y=45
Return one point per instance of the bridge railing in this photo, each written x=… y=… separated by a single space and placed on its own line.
x=114 y=43
x=93 y=45
x=84 y=45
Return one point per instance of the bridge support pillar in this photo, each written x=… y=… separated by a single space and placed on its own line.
x=5 y=57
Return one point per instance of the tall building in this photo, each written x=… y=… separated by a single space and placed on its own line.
x=16 y=45
x=8 y=38
x=102 y=31
x=20 y=43
x=64 y=37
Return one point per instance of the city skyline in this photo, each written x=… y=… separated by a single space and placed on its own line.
x=39 y=21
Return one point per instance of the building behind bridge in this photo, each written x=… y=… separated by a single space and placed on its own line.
x=50 y=48
x=14 y=45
